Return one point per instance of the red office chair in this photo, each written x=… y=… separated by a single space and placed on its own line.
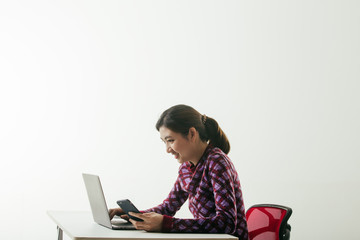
x=268 y=222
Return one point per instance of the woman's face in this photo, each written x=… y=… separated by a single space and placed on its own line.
x=176 y=144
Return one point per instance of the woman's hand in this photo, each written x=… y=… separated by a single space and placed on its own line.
x=152 y=221
x=118 y=212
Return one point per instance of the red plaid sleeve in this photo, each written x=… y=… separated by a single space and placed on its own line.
x=173 y=202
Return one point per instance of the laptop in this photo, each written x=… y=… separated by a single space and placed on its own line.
x=98 y=205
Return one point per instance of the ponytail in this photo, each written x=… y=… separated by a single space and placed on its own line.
x=215 y=134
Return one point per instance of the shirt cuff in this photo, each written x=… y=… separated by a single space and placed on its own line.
x=167 y=223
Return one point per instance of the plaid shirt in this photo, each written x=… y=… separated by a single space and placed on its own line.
x=215 y=198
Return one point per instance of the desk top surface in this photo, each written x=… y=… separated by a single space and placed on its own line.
x=80 y=226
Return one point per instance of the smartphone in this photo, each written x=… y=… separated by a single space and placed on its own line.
x=128 y=206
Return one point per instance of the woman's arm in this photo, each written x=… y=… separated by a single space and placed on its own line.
x=173 y=202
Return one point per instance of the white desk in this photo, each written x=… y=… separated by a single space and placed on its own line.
x=80 y=226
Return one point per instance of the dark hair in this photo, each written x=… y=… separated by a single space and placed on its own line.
x=180 y=118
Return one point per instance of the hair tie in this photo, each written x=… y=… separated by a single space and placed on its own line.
x=203 y=118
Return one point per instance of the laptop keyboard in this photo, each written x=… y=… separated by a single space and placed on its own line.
x=121 y=224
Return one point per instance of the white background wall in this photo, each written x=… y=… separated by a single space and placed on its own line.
x=83 y=83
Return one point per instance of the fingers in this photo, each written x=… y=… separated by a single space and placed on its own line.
x=152 y=222
x=115 y=211
x=125 y=216
x=111 y=213
x=139 y=225
x=138 y=215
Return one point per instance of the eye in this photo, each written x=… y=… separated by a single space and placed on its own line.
x=170 y=140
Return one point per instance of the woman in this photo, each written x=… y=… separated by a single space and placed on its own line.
x=206 y=177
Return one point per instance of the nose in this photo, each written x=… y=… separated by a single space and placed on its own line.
x=168 y=148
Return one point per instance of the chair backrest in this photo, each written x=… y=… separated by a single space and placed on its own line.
x=268 y=222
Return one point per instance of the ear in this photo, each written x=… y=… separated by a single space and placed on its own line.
x=192 y=134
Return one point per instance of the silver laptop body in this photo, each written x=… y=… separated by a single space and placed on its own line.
x=98 y=204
